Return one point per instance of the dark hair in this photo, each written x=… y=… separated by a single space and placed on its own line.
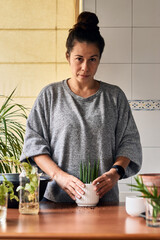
x=85 y=30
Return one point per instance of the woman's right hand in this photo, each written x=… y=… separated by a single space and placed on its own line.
x=70 y=184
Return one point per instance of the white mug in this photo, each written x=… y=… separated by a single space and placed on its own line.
x=135 y=205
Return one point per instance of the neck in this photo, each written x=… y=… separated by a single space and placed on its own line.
x=83 y=89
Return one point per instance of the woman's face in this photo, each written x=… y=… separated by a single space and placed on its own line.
x=84 y=60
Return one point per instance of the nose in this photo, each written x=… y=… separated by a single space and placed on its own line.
x=85 y=66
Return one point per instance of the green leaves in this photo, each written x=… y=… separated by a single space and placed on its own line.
x=31 y=174
x=10 y=165
x=150 y=193
x=11 y=130
x=6 y=188
x=87 y=172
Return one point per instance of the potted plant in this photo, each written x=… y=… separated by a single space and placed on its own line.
x=152 y=195
x=12 y=129
x=6 y=189
x=87 y=174
x=14 y=177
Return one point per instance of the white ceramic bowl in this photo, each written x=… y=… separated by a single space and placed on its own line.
x=89 y=199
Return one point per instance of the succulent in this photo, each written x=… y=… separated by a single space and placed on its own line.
x=89 y=172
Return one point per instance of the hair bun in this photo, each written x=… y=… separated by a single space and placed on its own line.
x=87 y=20
x=85 y=30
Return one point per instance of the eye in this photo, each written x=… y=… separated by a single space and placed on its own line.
x=79 y=59
x=93 y=59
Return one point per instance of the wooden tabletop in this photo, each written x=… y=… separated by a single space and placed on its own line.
x=65 y=221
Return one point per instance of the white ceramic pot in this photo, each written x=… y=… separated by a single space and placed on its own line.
x=90 y=198
x=135 y=205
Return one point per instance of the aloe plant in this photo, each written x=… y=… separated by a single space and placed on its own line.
x=11 y=131
x=88 y=172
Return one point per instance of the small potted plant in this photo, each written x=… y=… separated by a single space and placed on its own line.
x=29 y=189
x=12 y=128
x=6 y=190
x=87 y=174
x=152 y=196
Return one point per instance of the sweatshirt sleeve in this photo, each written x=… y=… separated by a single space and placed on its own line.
x=127 y=137
x=36 y=140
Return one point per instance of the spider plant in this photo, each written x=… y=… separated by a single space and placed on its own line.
x=11 y=132
x=88 y=172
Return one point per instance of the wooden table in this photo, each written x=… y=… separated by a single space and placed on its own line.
x=71 y=222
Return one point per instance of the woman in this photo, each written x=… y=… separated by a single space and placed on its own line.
x=81 y=118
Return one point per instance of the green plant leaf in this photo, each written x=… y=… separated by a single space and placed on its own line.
x=81 y=172
x=88 y=172
x=149 y=193
x=11 y=130
x=7 y=188
x=19 y=188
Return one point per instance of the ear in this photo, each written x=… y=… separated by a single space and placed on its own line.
x=67 y=56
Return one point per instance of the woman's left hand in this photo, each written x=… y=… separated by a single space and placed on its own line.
x=106 y=182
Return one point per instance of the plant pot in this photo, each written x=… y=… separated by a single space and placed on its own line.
x=151 y=179
x=14 y=178
x=90 y=198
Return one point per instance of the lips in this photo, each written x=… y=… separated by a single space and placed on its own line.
x=84 y=76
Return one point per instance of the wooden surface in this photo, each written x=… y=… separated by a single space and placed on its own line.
x=71 y=222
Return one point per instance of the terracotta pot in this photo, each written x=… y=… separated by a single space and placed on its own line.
x=151 y=179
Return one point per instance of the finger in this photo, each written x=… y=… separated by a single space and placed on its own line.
x=103 y=191
x=73 y=191
x=79 y=183
x=70 y=194
x=97 y=180
x=102 y=184
x=78 y=188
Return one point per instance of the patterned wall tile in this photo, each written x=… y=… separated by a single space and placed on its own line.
x=148 y=105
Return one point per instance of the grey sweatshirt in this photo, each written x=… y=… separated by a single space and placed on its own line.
x=71 y=129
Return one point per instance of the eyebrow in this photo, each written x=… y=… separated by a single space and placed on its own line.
x=90 y=56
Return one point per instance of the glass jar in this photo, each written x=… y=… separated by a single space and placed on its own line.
x=3 y=206
x=29 y=192
x=153 y=212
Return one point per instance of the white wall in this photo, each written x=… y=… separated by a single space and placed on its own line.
x=131 y=60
